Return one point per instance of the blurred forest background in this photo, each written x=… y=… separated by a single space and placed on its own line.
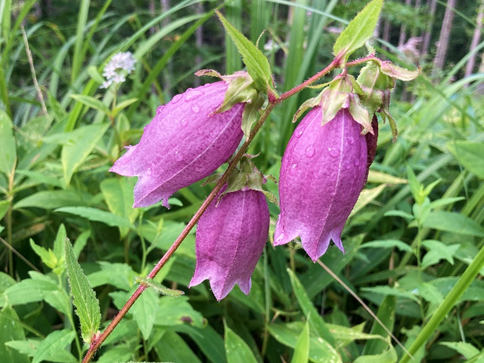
x=415 y=234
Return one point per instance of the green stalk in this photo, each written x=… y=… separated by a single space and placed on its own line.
x=81 y=29
x=466 y=279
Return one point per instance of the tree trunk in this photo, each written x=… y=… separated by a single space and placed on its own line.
x=475 y=40
x=444 y=37
x=403 y=28
x=428 y=32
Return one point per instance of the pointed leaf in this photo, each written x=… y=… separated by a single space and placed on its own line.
x=84 y=296
x=468 y=154
x=144 y=310
x=256 y=62
x=84 y=140
x=11 y=330
x=8 y=150
x=301 y=352
x=358 y=31
x=92 y=103
x=53 y=347
x=236 y=349
x=97 y=215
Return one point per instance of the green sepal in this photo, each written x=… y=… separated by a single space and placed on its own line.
x=251 y=113
x=159 y=288
x=247 y=176
x=361 y=114
x=335 y=97
x=240 y=90
x=397 y=72
x=358 y=31
x=310 y=103
x=256 y=62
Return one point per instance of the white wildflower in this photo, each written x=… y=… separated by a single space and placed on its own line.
x=118 y=67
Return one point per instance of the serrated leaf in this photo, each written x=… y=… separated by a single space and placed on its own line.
x=97 y=215
x=8 y=149
x=84 y=140
x=237 y=349
x=256 y=62
x=358 y=31
x=84 y=296
x=92 y=103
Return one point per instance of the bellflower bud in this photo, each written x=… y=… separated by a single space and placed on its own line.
x=323 y=171
x=230 y=238
x=184 y=143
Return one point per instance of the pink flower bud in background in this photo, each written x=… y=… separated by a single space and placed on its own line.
x=323 y=171
x=184 y=143
x=231 y=236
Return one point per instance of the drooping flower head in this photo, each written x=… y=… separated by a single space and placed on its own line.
x=323 y=171
x=185 y=142
x=230 y=238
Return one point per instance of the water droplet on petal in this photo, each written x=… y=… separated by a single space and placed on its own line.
x=310 y=151
x=333 y=152
x=195 y=108
x=356 y=162
x=159 y=109
x=293 y=168
x=299 y=133
x=149 y=171
x=184 y=122
x=351 y=140
x=192 y=95
x=201 y=131
x=178 y=156
x=176 y=98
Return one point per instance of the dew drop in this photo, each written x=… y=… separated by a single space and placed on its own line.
x=299 y=134
x=176 y=98
x=310 y=151
x=149 y=171
x=351 y=140
x=201 y=131
x=293 y=168
x=356 y=162
x=333 y=152
x=178 y=156
x=192 y=95
x=184 y=122
x=195 y=108
x=159 y=109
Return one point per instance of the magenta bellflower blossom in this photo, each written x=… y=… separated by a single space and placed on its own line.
x=230 y=238
x=184 y=143
x=323 y=171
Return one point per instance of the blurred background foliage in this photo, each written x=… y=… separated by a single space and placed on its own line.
x=415 y=230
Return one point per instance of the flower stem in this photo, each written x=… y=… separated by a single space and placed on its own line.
x=102 y=337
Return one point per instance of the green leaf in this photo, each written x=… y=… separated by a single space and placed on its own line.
x=144 y=309
x=388 y=356
x=47 y=256
x=122 y=105
x=172 y=348
x=301 y=352
x=8 y=149
x=465 y=349
x=97 y=215
x=453 y=222
x=388 y=243
x=379 y=177
x=59 y=243
x=53 y=347
x=173 y=311
x=92 y=103
x=83 y=141
x=118 y=194
x=94 y=74
x=27 y=347
x=84 y=296
x=256 y=62
x=319 y=350
x=51 y=200
x=11 y=330
x=4 y=205
x=469 y=154
x=386 y=314
x=236 y=349
x=438 y=251
x=317 y=323
x=366 y=197
x=358 y=31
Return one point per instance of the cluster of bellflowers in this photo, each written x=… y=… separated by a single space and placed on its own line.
x=324 y=167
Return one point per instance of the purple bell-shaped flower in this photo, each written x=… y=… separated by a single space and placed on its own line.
x=185 y=142
x=324 y=169
x=230 y=238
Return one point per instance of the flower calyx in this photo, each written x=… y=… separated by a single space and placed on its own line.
x=377 y=80
x=341 y=93
x=241 y=89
